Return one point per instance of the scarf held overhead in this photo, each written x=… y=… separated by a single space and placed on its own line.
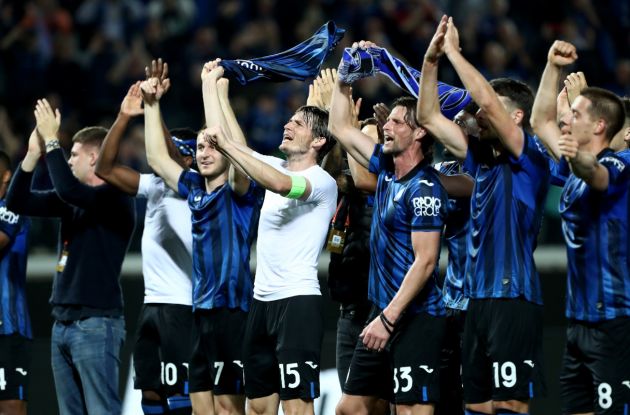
x=362 y=63
x=301 y=62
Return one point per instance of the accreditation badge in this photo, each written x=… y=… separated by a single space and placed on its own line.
x=336 y=240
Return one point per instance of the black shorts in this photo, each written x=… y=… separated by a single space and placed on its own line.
x=217 y=359
x=15 y=358
x=451 y=391
x=282 y=348
x=407 y=372
x=502 y=353
x=162 y=349
x=595 y=375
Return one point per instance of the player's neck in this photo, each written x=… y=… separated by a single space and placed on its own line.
x=93 y=180
x=595 y=145
x=405 y=162
x=213 y=182
x=299 y=162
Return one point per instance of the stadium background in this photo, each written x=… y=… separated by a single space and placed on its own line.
x=83 y=55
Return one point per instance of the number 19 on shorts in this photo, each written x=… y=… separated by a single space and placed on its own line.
x=504 y=374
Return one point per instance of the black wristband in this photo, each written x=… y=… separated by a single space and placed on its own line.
x=386 y=321
x=388 y=327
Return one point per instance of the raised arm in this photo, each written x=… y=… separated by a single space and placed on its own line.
x=67 y=186
x=122 y=177
x=243 y=158
x=20 y=198
x=157 y=152
x=356 y=144
x=509 y=133
x=584 y=164
x=216 y=113
x=429 y=114
x=237 y=179
x=426 y=248
x=544 y=117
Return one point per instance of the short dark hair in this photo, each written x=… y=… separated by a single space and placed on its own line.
x=5 y=160
x=90 y=136
x=317 y=120
x=606 y=105
x=410 y=118
x=519 y=94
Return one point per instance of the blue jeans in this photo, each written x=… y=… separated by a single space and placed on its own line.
x=85 y=356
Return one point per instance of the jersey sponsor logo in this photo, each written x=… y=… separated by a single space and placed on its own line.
x=311 y=364
x=626 y=383
x=197 y=198
x=388 y=179
x=426 y=206
x=238 y=363
x=21 y=371
x=428 y=183
x=529 y=362
x=426 y=368
x=8 y=216
x=615 y=162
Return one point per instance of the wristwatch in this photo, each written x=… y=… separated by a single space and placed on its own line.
x=52 y=144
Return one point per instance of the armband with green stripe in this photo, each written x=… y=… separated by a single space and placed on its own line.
x=298 y=187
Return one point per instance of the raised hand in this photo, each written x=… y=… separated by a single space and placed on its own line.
x=314 y=97
x=150 y=91
x=562 y=53
x=215 y=136
x=212 y=71
x=48 y=121
x=355 y=109
x=436 y=47
x=568 y=146
x=132 y=103
x=36 y=144
x=575 y=83
x=381 y=112
x=223 y=87
x=451 y=37
x=159 y=72
x=327 y=79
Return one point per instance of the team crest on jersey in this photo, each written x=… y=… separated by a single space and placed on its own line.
x=426 y=206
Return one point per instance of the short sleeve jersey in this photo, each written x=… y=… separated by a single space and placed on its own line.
x=506 y=211
x=223 y=228
x=14 y=316
x=166 y=244
x=416 y=202
x=595 y=229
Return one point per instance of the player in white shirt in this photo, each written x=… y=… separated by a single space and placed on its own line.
x=162 y=348
x=284 y=329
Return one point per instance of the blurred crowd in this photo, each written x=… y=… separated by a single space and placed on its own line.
x=84 y=55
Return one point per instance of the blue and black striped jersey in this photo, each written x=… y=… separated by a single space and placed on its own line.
x=595 y=228
x=224 y=226
x=14 y=317
x=455 y=233
x=505 y=217
x=414 y=203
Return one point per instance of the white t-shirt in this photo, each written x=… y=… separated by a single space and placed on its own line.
x=291 y=235
x=166 y=244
